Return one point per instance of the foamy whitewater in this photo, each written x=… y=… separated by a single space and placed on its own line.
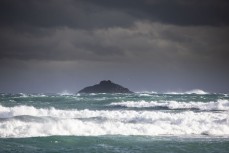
x=114 y=122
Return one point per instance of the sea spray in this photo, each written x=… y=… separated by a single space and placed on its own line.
x=27 y=121
x=136 y=122
x=217 y=105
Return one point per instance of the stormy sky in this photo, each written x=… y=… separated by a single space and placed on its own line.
x=145 y=45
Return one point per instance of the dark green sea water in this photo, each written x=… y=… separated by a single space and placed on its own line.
x=115 y=144
x=141 y=122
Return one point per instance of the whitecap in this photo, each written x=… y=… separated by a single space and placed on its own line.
x=65 y=93
x=194 y=91
x=125 y=122
x=23 y=95
x=220 y=104
x=197 y=91
x=146 y=92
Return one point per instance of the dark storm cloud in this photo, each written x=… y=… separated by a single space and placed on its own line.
x=106 y=13
x=57 y=13
x=61 y=44
x=167 y=41
x=143 y=41
x=181 y=12
x=113 y=30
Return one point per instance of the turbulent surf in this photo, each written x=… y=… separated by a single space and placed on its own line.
x=150 y=117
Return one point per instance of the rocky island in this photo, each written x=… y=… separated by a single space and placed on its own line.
x=105 y=86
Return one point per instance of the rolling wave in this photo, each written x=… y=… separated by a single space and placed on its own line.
x=218 y=105
x=28 y=121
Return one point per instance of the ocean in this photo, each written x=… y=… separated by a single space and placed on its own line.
x=144 y=122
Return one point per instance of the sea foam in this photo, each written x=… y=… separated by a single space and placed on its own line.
x=194 y=91
x=218 y=105
x=28 y=121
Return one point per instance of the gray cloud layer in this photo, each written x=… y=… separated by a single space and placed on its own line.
x=105 y=13
x=182 y=43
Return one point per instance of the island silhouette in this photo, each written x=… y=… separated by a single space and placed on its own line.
x=105 y=86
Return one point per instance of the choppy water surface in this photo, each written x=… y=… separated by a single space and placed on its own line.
x=142 y=122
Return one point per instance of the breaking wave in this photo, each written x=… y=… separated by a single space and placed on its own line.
x=65 y=93
x=195 y=91
x=146 y=92
x=24 y=95
x=218 y=105
x=28 y=121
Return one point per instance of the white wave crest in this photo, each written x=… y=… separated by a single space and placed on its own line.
x=104 y=122
x=218 y=105
x=145 y=95
x=194 y=91
x=197 y=91
x=146 y=92
x=65 y=93
x=23 y=95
